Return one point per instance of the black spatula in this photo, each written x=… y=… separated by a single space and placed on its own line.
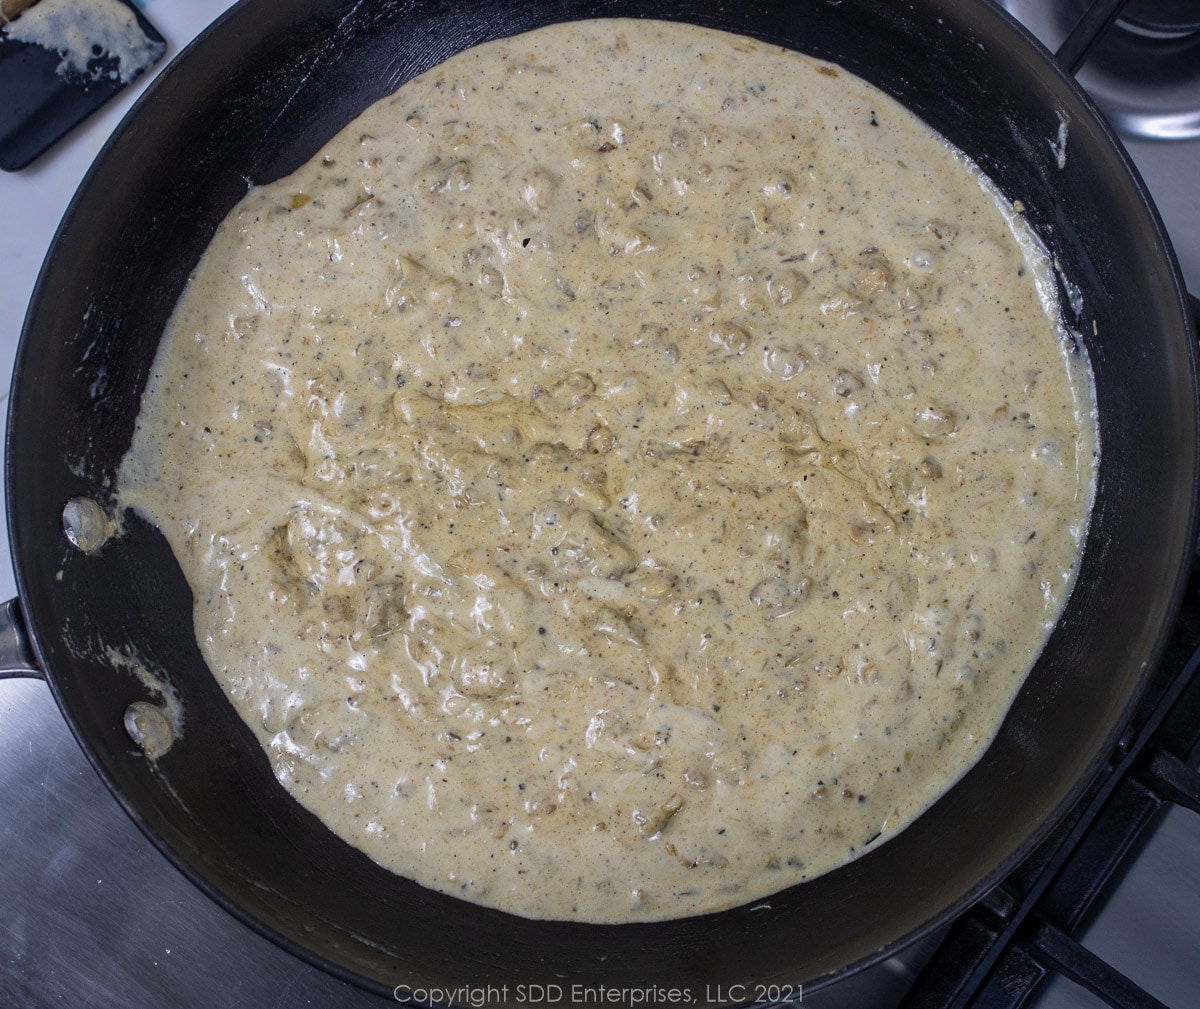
x=47 y=86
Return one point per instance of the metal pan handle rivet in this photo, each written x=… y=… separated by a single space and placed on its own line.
x=85 y=524
x=149 y=727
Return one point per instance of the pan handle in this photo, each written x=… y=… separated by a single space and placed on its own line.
x=16 y=653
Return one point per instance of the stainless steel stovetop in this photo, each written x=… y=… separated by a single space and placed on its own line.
x=93 y=915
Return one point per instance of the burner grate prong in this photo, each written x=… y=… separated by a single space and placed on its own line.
x=1173 y=780
x=1058 y=951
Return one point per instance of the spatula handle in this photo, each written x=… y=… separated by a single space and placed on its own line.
x=9 y=9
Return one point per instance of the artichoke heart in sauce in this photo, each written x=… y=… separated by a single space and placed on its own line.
x=626 y=472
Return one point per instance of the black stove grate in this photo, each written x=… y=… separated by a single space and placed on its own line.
x=996 y=954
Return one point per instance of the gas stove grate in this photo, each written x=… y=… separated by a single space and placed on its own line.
x=996 y=954
x=1142 y=58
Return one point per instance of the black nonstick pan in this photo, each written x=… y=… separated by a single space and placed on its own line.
x=251 y=100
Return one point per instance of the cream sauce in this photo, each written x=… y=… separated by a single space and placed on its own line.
x=621 y=501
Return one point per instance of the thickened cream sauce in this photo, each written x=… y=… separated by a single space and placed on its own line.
x=626 y=472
